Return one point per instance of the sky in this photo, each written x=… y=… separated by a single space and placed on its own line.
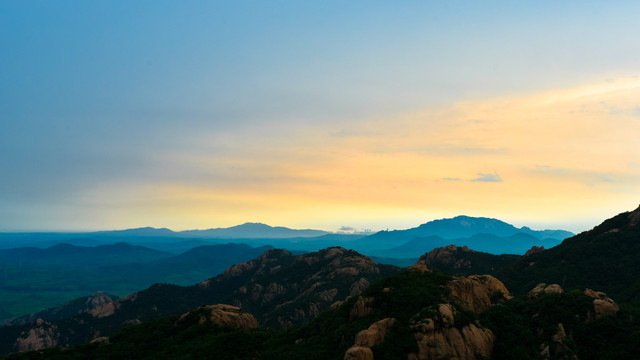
x=317 y=114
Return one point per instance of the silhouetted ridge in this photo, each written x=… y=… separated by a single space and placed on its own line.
x=605 y=257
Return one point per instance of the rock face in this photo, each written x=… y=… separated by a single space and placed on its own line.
x=438 y=338
x=447 y=255
x=100 y=305
x=225 y=316
x=375 y=334
x=97 y=305
x=282 y=289
x=434 y=327
x=543 y=288
x=634 y=217
x=478 y=292
x=534 y=249
x=363 y=307
x=559 y=345
x=462 y=260
x=365 y=339
x=40 y=336
x=602 y=305
x=297 y=292
x=358 y=353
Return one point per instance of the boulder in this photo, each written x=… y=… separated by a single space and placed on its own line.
x=543 y=288
x=222 y=315
x=477 y=292
x=362 y=307
x=375 y=334
x=358 y=353
x=437 y=338
x=602 y=305
x=41 y=336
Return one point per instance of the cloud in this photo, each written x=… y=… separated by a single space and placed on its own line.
x=451 y=179
x=482 y=177
x=347 y=228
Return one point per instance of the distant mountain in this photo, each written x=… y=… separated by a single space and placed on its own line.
x=252 y=230
x=605 y=258
x=483 y=234
x=80 y=256
x=143 y=231
x=192 y=266
x=244 y=231
x=164 y=238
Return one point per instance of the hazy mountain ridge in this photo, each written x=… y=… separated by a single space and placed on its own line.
x=75 y=256
x=481 y=234
x=460 y=227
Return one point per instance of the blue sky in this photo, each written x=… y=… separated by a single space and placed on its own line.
x=203 y=114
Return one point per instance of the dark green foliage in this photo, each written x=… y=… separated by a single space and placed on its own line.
x=605 y=258
x=406 y=293
x=522 y=326
x=290 y=274
x=327 y=337
x=468 y=262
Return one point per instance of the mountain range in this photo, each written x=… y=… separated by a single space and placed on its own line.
x=550 y=306
x=485 y=234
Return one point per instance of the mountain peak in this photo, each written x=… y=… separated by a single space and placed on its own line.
x=634 y=217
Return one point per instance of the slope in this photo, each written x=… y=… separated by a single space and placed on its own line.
x=605 y=258
x=282 y=289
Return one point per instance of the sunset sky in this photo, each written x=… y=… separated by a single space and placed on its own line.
x=317 y=114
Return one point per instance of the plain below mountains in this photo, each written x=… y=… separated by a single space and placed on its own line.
x=282 y=289
x=32 y=279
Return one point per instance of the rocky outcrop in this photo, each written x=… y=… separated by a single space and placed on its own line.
x=375 y=334
x=101 y=305
x=602 y=305
x=225 y=316
x=558 y=346
x=543 y=288
x=363 y=307
x=478 y=292
x=438 y=338
x=534 y=250
x=358 y=353
x=634 y=217
x=41 y=336
x=320 y=279
x=266 y=263
x=358 y=287
x=97 y=305
x=365 y=339
x=447 y=255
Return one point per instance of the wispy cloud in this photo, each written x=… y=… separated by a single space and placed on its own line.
x=491 y=177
